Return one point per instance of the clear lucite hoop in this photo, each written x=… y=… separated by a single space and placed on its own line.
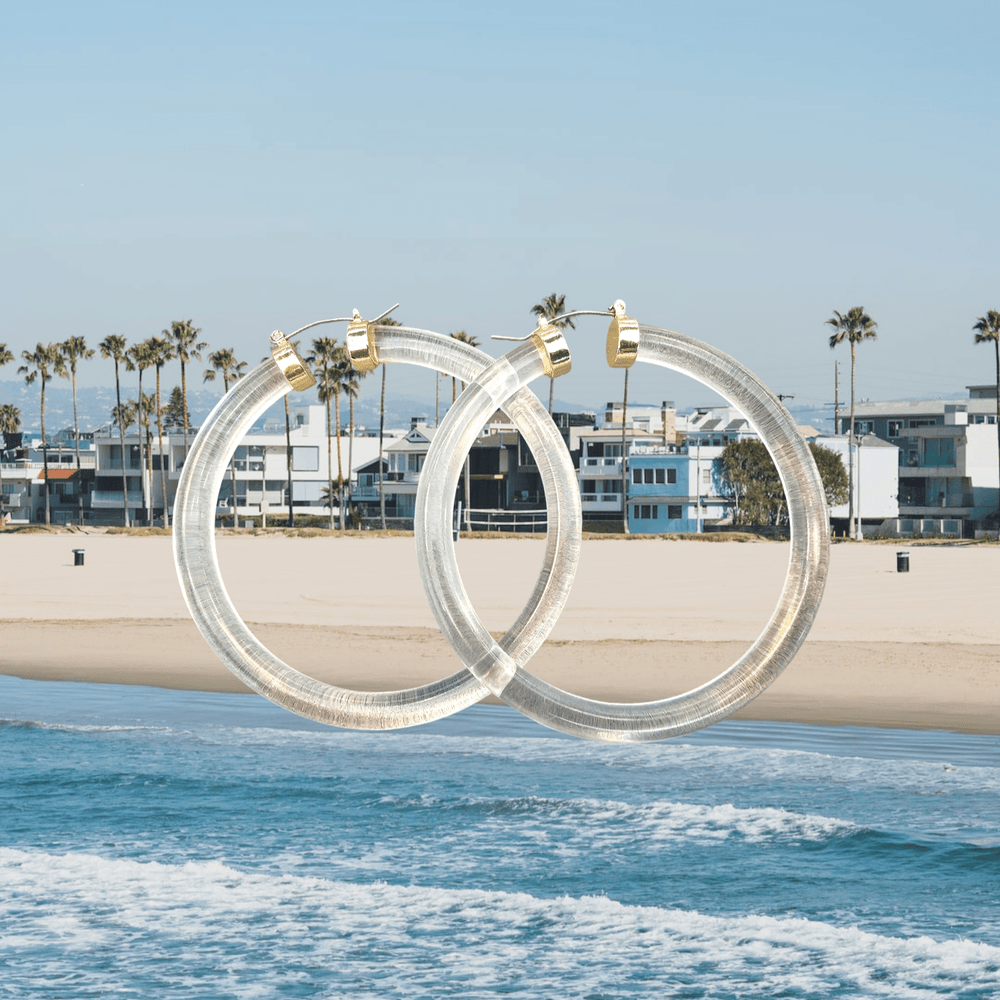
x=744 y=680
x=234 y=643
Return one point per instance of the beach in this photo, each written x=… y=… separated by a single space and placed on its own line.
x=646 y=619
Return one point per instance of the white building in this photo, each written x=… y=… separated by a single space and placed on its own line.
x=876 y=478
x=259 y=469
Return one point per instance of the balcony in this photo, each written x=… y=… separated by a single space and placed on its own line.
x=601 y=466
x=601 y=502
x=107 y=499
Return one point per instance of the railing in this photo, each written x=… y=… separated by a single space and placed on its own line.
x=658 y=449
x=505 y=520
x=114 y=498
x=601 y=498
x=611 y=463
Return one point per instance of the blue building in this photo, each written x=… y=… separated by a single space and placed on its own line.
x=670 y=489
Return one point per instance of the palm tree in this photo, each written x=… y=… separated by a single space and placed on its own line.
x=145 y=408
x=124 y=415
x=75 y=349
x=141 y=356
x=43 y=364
x=10 y=420
x=113 y=346
x=352 y=386
x=854 y=326
x=550 y=309
x=6 y=416
x=326 y=357
x=161 y=351
x=183 y=337
x=988 y=328
x=223 y=362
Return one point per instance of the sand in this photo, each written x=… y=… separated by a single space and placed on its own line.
x=646 y=619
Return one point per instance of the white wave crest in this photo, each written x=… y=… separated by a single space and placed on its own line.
x=80 y=921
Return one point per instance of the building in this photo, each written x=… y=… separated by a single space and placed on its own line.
x=714 y=426
x=876 y=481
x=258 y=474
x=949 y=478
x=22 y=496
x=671 y=489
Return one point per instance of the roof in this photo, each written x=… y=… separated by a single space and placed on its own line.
x=57 y=473
x=916 y=407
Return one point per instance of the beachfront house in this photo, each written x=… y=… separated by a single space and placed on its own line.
x=948 y=473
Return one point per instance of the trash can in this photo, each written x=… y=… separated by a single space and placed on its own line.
x=78 y=556
x=902 y=562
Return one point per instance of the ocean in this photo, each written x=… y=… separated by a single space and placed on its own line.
x=171 y=844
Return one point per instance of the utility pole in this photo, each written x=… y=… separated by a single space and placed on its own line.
x=836 y=397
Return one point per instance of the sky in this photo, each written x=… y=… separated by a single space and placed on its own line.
x=733 y=171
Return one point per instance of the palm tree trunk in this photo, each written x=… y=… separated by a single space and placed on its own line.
x=996 y=347
x=288 y=460
x=340 y=464
x=232 y=465
x=121 y=437
x=45 y=458
x=381 y=432
x=76 y=442
x=624 y=462
x=159 y=439
x=329 y=462
x=184 y=403
x=552 y=386
x=350 y=453
x=850 y=458
x=143 y=457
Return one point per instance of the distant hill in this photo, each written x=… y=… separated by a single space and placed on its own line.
x=95 y=405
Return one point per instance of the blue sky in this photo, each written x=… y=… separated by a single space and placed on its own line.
x=734 y=171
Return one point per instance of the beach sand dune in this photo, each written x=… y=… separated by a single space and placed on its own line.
x=646 y=619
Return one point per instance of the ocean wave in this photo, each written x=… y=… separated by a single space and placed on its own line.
x=660 y=820
x=82 y=923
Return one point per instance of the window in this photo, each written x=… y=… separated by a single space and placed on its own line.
x=647 y=476
x=922 y=423
x=674 y=512
x=305 y=458
x=660 y=476
x=645 y=511
x=671 y=475
x=864 y=426
x=414 y=463
x=895 y=428
x=939 y=451
x=637 y=476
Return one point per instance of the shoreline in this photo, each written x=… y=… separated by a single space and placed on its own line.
x=828 y=683
x=917 y=650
